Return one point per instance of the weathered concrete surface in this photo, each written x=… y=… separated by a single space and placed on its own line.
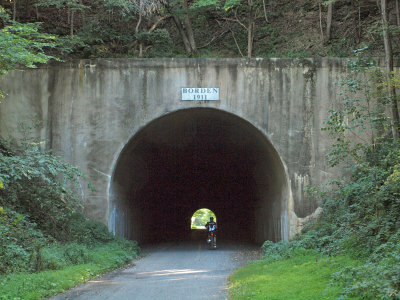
x=96 y=110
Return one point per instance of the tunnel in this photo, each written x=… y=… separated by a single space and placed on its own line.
x=195 y=158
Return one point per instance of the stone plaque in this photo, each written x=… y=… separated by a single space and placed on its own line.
x=200 y=94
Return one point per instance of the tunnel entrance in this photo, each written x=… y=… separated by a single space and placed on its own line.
x=192 y=158
x=200 y=217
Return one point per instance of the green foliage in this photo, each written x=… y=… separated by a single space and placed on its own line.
x=87 y=231
x=24 y=248
x=360 y=217
x=107 y=28
x=42 y=226
x=52 y=257
x=362 y=210
x=56 y=256
x=206 y=4
x=19 y=240
x=65 y=275
x=72 y=4
x=281 y=250
x=23 y=44
x=230 y=4
x=378 y=278
x=4 y=16
x=36 y=184
x=361 y=121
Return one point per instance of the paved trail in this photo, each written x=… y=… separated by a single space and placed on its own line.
x=170 y=271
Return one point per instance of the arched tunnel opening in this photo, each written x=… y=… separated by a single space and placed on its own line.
x=200 y=218
x=195 y=158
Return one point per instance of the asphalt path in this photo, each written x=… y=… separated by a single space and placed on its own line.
x=184 y=270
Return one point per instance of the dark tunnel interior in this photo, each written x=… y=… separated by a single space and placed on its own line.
x=197 y=158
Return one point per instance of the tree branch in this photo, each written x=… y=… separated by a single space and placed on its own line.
x=213 y=39
x=235 y=20
x=265 y=12
x=237 y=45
x=156 y=23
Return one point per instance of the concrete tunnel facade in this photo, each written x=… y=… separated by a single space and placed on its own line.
x=195 y=158
x=155 y=159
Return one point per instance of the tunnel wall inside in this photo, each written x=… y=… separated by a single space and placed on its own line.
x=92 y=109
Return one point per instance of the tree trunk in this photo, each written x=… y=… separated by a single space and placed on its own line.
x=68 y=15
x=250 y=30
x=320 y=21
x=329 y=21
x=14 y=10
x=181 y=31
x=397 y=13
x=389 y=69
x=355 y=21
x=188 y=27
x=83 y=14
x=140 y=50
x=71 y=30
x=137 y=31
x=265 y=12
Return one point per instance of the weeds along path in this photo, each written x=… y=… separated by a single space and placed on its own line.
x=184 y=270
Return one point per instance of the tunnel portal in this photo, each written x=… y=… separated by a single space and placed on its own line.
x=195 y=158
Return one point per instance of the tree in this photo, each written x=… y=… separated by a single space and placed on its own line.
x=389 y=69
x=248 y=14
x=23 y=44
x=179 y=12
x=329 y=21
x=146 y=10
x=72 y=6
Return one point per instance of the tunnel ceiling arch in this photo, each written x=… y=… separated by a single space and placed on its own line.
x=193 y=158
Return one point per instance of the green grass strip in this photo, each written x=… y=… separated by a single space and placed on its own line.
x=47 y=283
x=299 y=277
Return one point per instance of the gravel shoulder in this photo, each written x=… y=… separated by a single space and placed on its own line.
x=184 y=270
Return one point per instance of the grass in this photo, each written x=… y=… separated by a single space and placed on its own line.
x=300 y=277
x=46 y=283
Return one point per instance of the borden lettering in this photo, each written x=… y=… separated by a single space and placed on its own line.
x=200 y=94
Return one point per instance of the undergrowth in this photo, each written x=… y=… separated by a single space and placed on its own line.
x=46 y=243
x=86 y=263
x=361 y=212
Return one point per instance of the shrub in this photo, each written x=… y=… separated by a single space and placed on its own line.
x=378 y=277
x=76 y=253
x=83 y=230
x=361 y=212
x=41 y=223
x=52 y=257
x=276 y=251
x=35 y=184
x=19 y=239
